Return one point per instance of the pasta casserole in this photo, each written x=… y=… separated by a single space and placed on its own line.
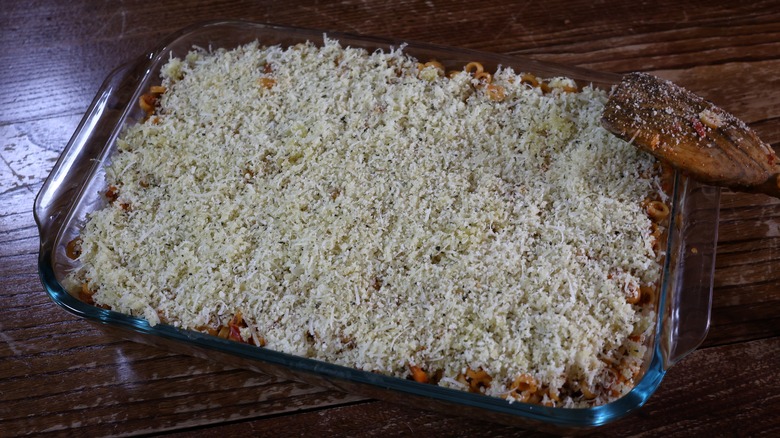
x=470 y=229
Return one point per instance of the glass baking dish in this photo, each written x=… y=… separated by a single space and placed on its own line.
x=72 y=190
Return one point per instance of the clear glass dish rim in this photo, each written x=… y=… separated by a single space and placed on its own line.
x=566 y=417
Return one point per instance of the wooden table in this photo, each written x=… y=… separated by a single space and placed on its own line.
x=60 y=376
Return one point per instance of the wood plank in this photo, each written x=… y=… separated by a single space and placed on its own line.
x=17 y=227
x=539 y=33
x=676 y=410
x=56 y=54
x=665 y=46
x=156 y=415
x=752 y=272
x=19 y=300
x=18 y=264
x=371 y=419
x=747 y=293
x=24 y=245
x=745 y=252
x=745 y=298
x=741 y=331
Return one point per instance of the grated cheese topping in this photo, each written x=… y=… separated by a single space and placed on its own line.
x=359 y=209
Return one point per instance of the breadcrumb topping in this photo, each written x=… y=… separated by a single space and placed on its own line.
x=359 y=209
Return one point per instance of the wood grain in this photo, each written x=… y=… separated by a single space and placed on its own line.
x=60 y=376
x=677 y=412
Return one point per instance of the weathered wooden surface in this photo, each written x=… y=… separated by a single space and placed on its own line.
x=59 y=375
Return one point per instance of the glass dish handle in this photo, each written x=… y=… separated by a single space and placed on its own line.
x=62 y=188
x=688 y=299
